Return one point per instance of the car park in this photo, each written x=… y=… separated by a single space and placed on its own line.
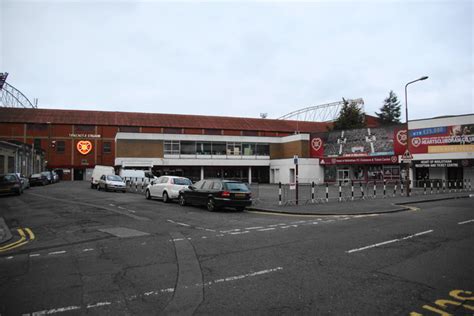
x=10 y=183
x=166 y=188
x=98 y=172
x=38 y=179
x=111 y=182
x=216 y=194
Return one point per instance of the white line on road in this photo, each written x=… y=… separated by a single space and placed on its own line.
x=465 y=222
x=171 y=221
x=183 y=224
x=35 y=255
x=57 y=252
x=112 y=204
x=240 y=233
x=288 y=226
x=9 y=258
x=230 y=230
x=87 y=249
x=256 y=227
x=389 y=241
x=131 y=211
x=99 y=304
x=243 y=276
x=265 y=229
x=122 y=208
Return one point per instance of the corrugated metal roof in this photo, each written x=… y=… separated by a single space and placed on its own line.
x=79 y=117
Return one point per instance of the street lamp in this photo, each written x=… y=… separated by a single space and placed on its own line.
x=408 y=133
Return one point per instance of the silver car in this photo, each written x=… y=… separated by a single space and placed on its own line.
x=111 y=183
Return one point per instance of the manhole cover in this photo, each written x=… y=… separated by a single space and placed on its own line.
x=123 y=232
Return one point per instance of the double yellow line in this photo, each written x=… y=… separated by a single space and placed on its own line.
x=24 y=239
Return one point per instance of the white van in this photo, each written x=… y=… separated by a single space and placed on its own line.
x=98 y=172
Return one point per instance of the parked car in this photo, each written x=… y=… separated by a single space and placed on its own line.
x=111 y=182
x=25 y=183
x=217 y=193
x=10 y=183
x=166 y=188
x=48 y=176
x=38 y=179
x=98 y=172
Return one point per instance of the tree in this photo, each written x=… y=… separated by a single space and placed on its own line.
x=350 y=117
x=390 y=111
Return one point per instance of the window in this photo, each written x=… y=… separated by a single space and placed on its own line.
x=107 y=147
x=129 y=129
x=208 y=185
x=171 y=147
x=199 y=184
x=11 y=164
x=169 y=130
x=36 y=127
x=188 y=148
x=249 y=133
x=164 y=180
x=60 y=146
x=181 y=181
x=84 y=128
x=248 y=149
x=37 y=143
x=234 y=149
x=263 y=150
x=218 y=148
x=2 y=164
x=203 y=148
x=217 y=186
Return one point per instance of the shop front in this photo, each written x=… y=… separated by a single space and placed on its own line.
x=454 y=172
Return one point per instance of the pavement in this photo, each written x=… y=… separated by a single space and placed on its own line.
x=5 y=234
x=356 y=207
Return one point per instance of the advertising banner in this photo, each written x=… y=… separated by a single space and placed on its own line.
x=359 y=160
x=443 y=139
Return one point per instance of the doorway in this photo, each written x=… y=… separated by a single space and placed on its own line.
x=343 y=175
x=78 y=174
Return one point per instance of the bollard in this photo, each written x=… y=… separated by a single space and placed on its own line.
x=352 y=190
x=424 y=187
x=395 y=189
x=465 y=185
x=449 y=186
x=431 y=187
x=437 y=187
x=375 y=189
x=444 y=185
x=409 y=188
x=469 y=184
x=455 y=186
x=327 y=192
x=361 y=191
x=384 y=188
x=401 y=187
x=312 y=192
x=279 y=193
x=340 y=192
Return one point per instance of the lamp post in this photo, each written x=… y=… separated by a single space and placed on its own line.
x=407 y=170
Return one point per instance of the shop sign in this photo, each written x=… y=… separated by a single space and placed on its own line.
x=84 y=147
x=442 y=163
x=442 y=139
x=359 y=160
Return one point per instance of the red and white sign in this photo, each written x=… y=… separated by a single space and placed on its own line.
x=317 y=148
x=359 y=160
x=84 y=147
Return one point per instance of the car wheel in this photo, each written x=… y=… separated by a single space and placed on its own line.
x=166 y=199
x=148 y=195
x=211 y=205
x=240 y=209
x=182 y=200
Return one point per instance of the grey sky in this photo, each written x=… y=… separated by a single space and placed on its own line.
x=239 y=58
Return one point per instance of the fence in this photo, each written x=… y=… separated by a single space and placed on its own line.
x=136 y=184
x=309 y=193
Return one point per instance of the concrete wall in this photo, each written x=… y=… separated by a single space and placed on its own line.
x=309 y=170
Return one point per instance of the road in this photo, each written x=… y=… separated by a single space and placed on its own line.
x=92 y=252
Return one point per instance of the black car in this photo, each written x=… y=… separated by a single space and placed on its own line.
x=38 y=179
x=217 y=193
x=10 y=183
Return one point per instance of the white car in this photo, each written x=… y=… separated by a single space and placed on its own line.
x=112 y=183
x=166 y=188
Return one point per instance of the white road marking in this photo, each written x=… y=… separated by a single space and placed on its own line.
x=155 y=292
x=315 y=223
x=112 y=204
x=256 y=227
x=9 y=258
x=122 y=208
x=465 y=222
x=389 y=241
x=183 y=224
x=298 y=222
x=219 y=235
x=204 y=237
x=57 y=252
x=288 y=226
x=230 y=230
x=177 y=239
x=265 y=229
x=35 y=255
x=210 y=230
x=171 y=221
x=88 y=249
x=239 y=233
x=131 y=211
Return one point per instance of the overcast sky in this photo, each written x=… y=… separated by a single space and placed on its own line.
x=239 y=58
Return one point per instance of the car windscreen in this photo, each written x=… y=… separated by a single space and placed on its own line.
x=182 y=181
x=8 y=178
x=36 y=175
x=236 y=186
x=114 y=178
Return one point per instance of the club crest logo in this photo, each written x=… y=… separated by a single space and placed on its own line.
x=402 y=137
x=316 y=143
x=394 y=159
x=416 y=141
x=84 y=147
